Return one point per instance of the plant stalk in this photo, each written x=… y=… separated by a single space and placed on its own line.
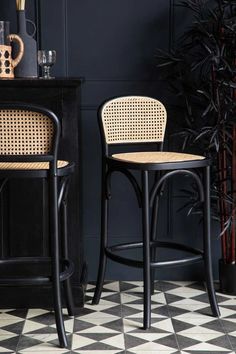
x=233 y=228
x=223 y=191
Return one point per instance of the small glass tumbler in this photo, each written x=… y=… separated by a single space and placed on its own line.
x=4 y=33
x=46 y=59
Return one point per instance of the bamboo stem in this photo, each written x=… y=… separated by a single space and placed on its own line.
x=233 y=178
x=222 y=205
x=224 y=186
x=222 y=168
x=222 y=177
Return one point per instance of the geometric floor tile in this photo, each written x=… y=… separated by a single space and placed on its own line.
x=181 y=323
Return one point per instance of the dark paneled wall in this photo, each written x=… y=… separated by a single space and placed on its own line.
x=112 y=45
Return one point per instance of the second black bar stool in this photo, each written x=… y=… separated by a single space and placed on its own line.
x=134 y=120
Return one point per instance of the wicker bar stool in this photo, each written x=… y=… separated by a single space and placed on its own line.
x=134 y=120
x=29 y=149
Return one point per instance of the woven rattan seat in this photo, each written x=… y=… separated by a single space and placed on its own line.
x=156 y=157
x=30 y=165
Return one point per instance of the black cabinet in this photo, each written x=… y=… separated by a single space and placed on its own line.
x=24 y=227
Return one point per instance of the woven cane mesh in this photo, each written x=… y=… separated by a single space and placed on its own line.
x=25 y=133
x=156 y=157
x=134 y=119
x=30 y=165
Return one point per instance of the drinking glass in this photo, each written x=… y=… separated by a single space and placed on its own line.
x=46 y=59
x=4 y=33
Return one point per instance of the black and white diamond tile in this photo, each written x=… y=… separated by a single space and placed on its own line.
x=181 y=323
x=40 y=342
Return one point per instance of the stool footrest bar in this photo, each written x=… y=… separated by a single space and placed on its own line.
x=197 y=255
x=68 y=267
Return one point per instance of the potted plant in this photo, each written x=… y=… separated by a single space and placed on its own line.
x=201 y=70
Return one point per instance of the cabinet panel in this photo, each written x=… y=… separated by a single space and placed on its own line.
x=25 y=222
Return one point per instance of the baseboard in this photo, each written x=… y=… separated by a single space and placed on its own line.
x=35 y=296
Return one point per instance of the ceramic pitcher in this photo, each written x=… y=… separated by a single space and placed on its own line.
x=7 y=63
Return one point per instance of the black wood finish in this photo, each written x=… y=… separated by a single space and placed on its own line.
x=51 y=176
x=24 y=231
x=198 y=169
x=113 y=45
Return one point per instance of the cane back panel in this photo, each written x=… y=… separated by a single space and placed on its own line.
x=133 y=119
x=25 y=132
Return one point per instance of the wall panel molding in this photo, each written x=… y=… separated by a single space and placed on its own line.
x=43 y=16
x=171 y=23
x=114 y=51
x=53 y=32
x=38 y=22
x=66 y=39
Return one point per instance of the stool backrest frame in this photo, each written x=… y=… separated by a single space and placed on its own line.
x=29 y=133
x=133 y=119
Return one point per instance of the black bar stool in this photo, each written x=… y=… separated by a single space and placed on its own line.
x=137 y=119
x=29 y=149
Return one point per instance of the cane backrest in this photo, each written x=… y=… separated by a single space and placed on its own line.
x=133 y=119
x=24 y=132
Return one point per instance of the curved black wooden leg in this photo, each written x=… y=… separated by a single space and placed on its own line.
x=103 y=245
x=3 y=183
x=155 y=209
x=65 y=253
x=207 y=245
x=146 y=252
x=56 y=262
x=153 y=238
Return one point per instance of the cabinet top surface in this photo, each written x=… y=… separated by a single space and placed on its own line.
x=36 y=82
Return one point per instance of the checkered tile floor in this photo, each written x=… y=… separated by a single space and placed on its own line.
x=181 y=323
